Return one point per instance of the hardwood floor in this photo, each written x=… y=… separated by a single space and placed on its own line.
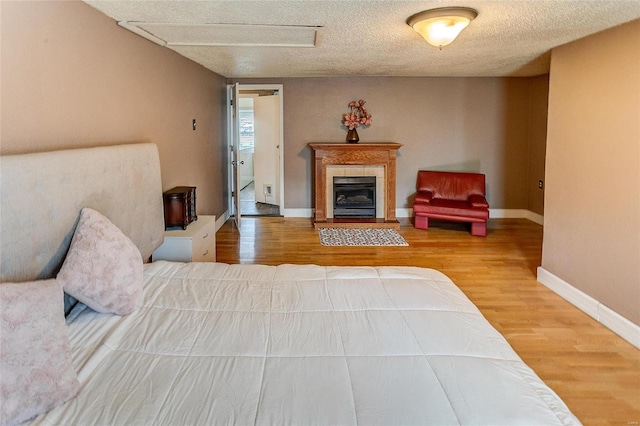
x=593 y=370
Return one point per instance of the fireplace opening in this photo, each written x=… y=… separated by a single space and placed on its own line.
x=354 y=196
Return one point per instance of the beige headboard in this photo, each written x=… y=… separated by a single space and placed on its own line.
x=42 y=195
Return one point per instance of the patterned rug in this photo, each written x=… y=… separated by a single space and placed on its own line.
x=361 y=237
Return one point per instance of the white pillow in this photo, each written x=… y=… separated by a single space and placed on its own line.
x=103 y=268
x=35 y=361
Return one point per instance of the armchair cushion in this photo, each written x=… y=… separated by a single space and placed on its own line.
x=423 y=197
x=478 y=201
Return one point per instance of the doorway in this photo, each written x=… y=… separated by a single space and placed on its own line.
x=256 y=155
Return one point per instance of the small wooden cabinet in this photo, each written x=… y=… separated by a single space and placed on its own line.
x=197 y=243
x=179 y=206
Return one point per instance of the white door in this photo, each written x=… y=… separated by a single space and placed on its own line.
x=266 y=165
x=235 y=149
x=233 y=131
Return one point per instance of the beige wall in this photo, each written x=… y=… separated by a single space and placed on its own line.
x=72 y=78
x=463 y=124
x=538 y=108
x=592 y=200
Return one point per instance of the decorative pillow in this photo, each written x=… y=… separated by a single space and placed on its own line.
x=103 y=268
x=35 y=361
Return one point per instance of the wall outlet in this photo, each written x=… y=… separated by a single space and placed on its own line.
x=540 y=184
x=266 y=190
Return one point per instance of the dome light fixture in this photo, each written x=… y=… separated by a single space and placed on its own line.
x=439 y=27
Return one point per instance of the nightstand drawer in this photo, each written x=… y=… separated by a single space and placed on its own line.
x=197 y=243
x=203 y=250
x=204 y=254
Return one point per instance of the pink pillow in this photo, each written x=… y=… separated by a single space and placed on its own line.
x=35 y=361
x=103 y=268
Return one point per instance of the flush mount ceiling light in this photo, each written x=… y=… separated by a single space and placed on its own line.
x=442 y=25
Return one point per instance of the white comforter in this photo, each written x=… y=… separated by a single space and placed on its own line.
x=251 y=344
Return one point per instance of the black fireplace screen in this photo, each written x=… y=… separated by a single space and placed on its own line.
x=354 y=196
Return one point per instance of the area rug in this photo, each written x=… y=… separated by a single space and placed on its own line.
x=361 y=237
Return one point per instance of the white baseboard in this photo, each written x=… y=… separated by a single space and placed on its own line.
x=507 y=213
x=534 y=217
x=516 y=214
x=592 y=307
x=408 y=212
x=222 y=219
x=493 y=214
x=298 y=212
x=404 y=212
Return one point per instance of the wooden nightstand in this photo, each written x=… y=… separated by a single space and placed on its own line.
x=197 y=243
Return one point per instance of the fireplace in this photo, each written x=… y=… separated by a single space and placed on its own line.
x=369 y=158
x=354 y=196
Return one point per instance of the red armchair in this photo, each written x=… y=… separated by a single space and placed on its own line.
x=453 y=196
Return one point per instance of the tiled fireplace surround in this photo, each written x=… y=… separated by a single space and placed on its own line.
x=377 y=171
x=341 y=159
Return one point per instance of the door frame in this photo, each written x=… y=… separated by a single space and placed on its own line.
x=230 y=124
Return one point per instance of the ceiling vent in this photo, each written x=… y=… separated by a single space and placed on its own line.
x=166 y=34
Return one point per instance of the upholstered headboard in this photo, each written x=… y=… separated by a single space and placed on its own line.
x=42 y=195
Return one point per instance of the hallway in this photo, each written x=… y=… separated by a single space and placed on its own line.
x=250 y=207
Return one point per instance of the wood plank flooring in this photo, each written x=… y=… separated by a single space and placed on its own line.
x=593 y=370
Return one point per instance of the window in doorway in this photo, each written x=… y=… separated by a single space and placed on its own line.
x=246 y=128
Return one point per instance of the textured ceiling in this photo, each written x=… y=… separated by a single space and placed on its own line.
x=371 y=38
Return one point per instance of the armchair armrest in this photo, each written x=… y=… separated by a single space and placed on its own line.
x=423 y=197
x=478 y=201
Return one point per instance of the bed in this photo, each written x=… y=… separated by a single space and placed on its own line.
x=212 y=343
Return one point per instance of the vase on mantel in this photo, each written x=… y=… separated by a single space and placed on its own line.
x=352 y=136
